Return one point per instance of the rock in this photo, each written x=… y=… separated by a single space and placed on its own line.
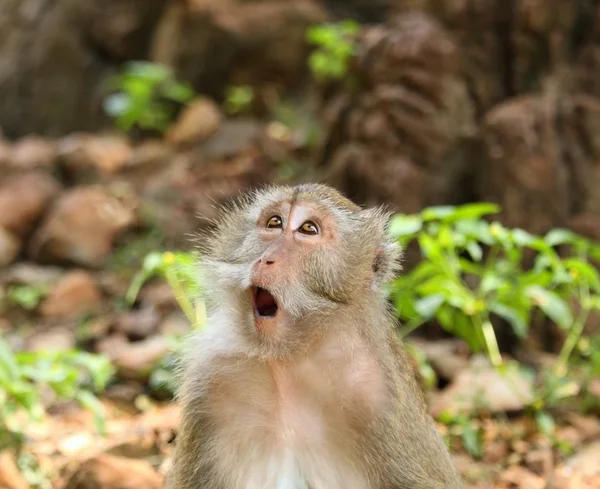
x=9 y=247
x=44 y=95
x=255 y=43
x=482 y=387
x=74 y=294
x=136 y=360
x=447 y=357
x=87 y=157
x=160 y=295
x=138 y=324
x=582 y=471
x=517 y=477
x=33 y=152
x=112 y=345
x=588 y=426
x=408 y=125
x=10 y=476
x=5 y=148
x=23 y=200
x=540 y=461
x=175 y=324
x=52 y=340
x=585 y=462
x=234 y=137
x=27 y=273
x=112 y=472
x=196 y=123
x=81 y=227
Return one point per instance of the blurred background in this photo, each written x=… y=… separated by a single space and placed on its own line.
x=124 y=123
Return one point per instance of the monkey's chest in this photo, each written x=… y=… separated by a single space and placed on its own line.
x=290 y=430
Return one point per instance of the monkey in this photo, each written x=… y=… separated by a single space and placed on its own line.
x=298 y=379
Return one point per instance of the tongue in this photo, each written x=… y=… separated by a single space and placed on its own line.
x=265 y=303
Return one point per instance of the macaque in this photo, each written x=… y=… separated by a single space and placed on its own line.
x=298 y=381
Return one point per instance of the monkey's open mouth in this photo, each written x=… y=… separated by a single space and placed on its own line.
x=264 y=303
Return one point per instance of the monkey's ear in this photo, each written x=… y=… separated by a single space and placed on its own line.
x=386 y=262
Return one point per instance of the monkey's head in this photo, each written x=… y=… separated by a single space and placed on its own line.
x=281 y=261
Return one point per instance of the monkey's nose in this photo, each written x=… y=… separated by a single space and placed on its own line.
x=266 y=261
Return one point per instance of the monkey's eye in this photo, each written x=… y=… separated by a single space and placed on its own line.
x=274 y=223
x=309 y=228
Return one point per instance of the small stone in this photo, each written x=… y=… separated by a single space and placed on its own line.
x=447 y=357
x=81 y=227
x=585 y=462
x=112 y=345
x=33 y=152
x=23 y=199
x=52 y=340
x=136 y=360
x=518 y=477
x=28 y=273
x=588 y=426
x=175 y=324
x=112 y=472
x=9 y=247
x=482 y=387
x=83 y=154
x=234 y=137
x=74 y=294
x=138 y=324
x=540 y=461
x=10 y=476
x=197 y=122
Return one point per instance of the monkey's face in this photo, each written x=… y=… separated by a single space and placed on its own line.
x=291 y=257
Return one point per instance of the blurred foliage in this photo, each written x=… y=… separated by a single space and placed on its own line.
x=145 y=95
x=31 y=380
x=238 y=99
x=473 y=270
x=463 y=428
x=27 y=297
x=182 y=273
x=335 y=46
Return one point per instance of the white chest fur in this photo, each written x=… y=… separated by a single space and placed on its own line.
x=292 y=426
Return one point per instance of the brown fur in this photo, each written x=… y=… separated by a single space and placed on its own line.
x=323 y=395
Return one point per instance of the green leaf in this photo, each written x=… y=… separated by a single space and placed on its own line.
x=437 y=212
x=583 y=271
x=117 y=104
x=559 y=236
x=452 y=213
x=545 y=423
x=8 y=362
x=475 y=251
x=91 y=402
x=472 y=440
x=475 y=211
x=178 y=92
x=523 y=238
x=553 y=306
x=428 y=306
x=513 y=316
x=403 y=225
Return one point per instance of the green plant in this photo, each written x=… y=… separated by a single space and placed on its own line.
x=26 y=296
x=464 y=428
x=472 y=270
x=29 y=379
x=145 y=94
x=182 y=272
x=335 y=48
x=238 y=98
